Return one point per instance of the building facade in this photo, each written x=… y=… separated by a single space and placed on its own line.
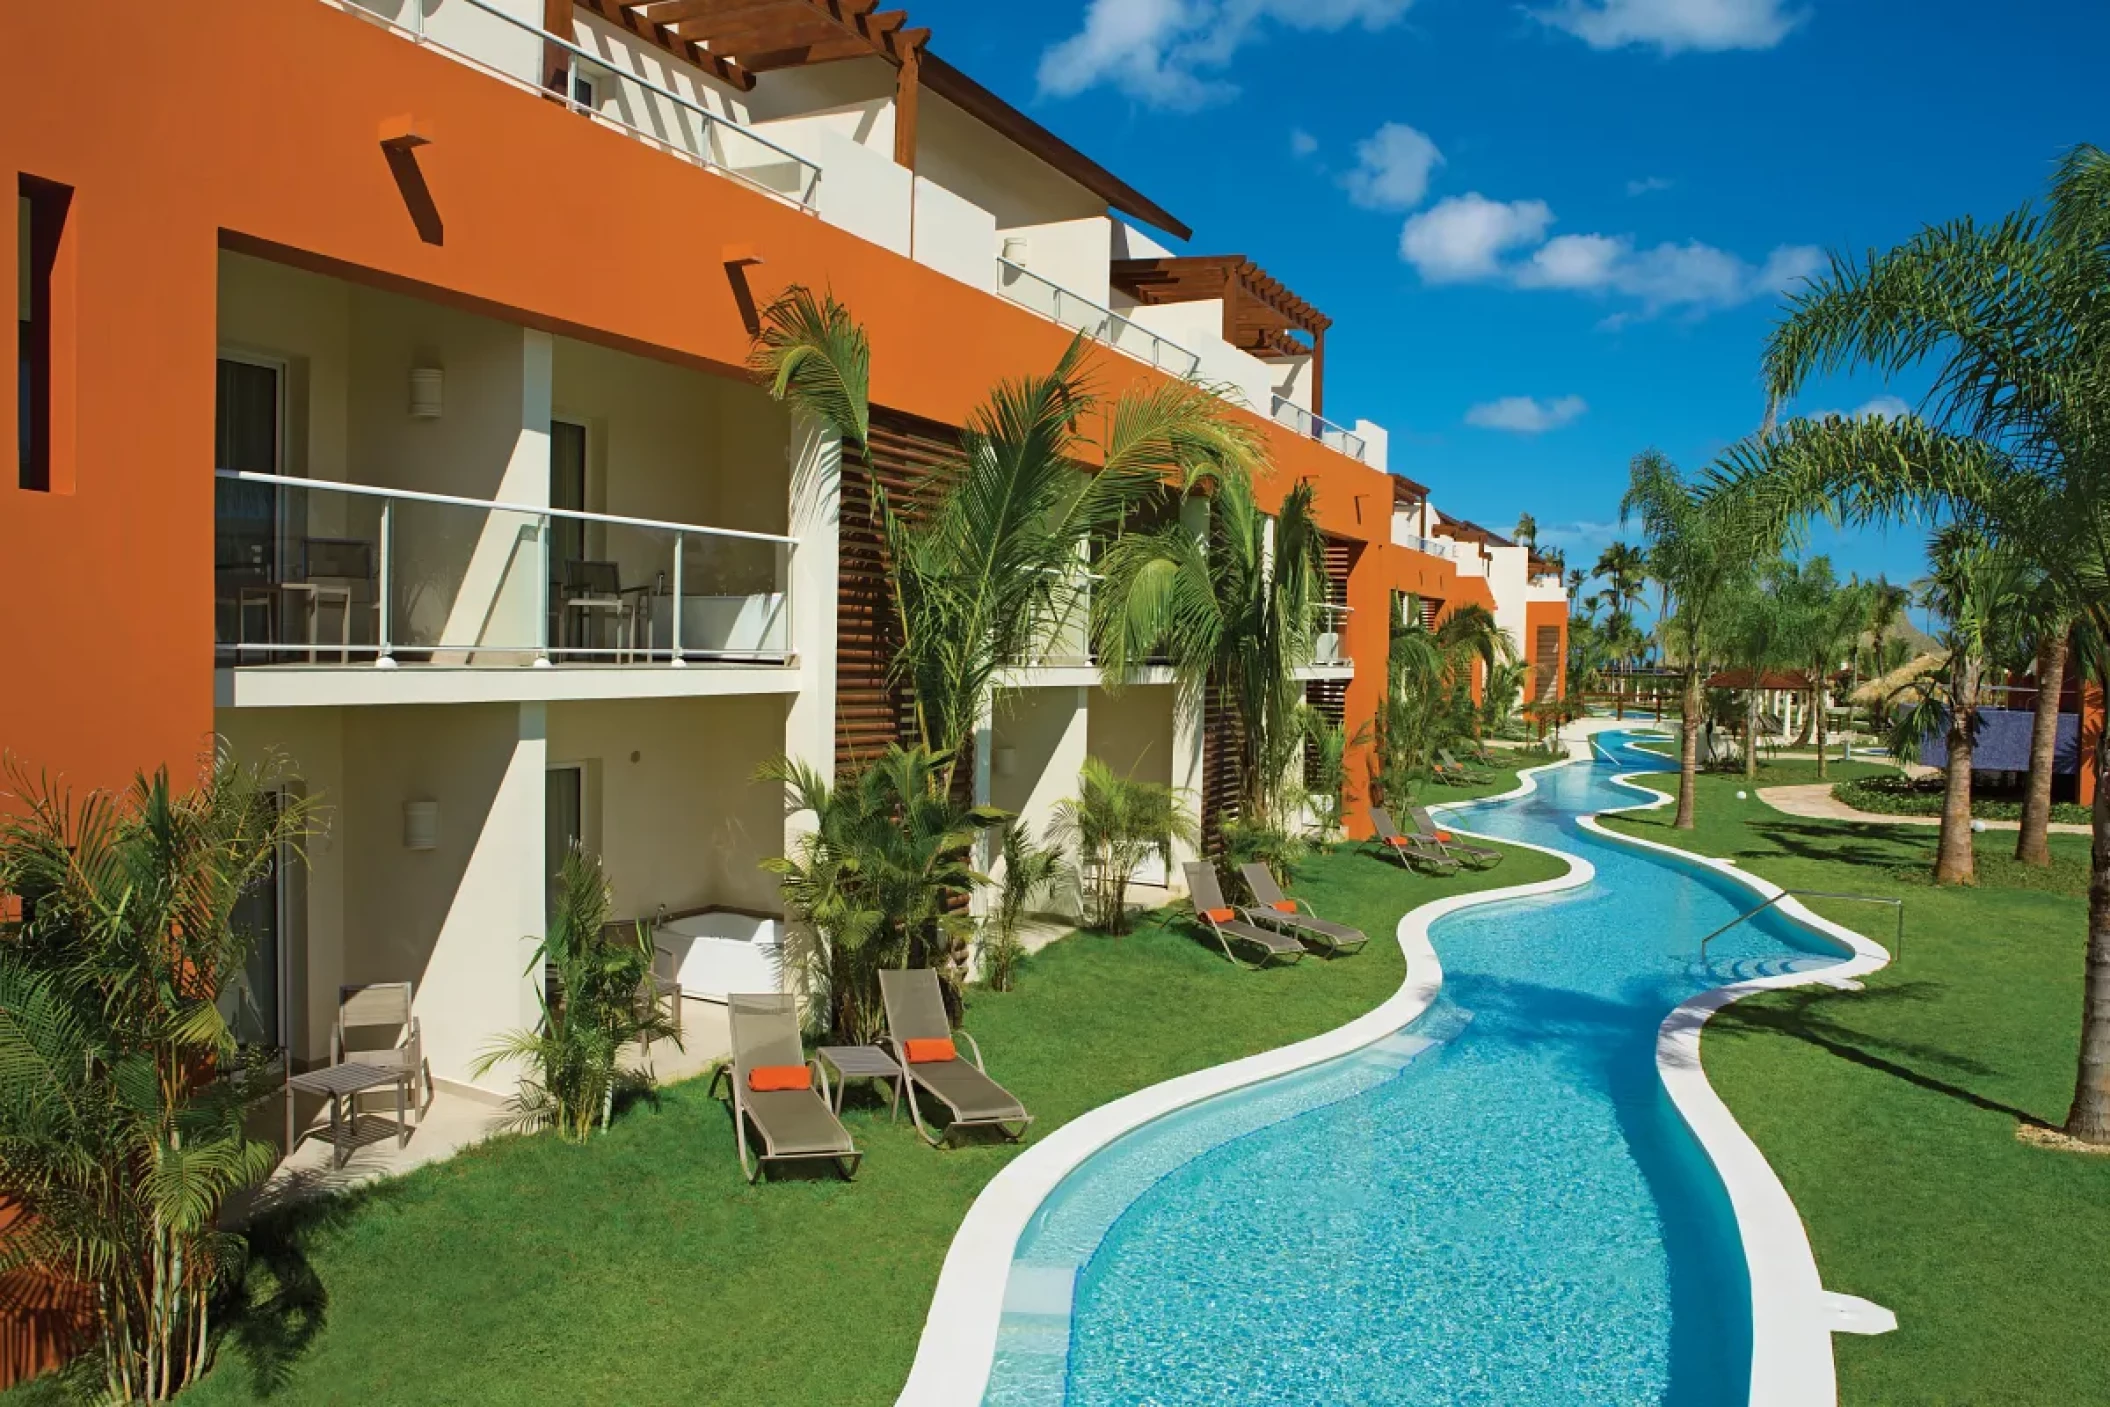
x=381 y=407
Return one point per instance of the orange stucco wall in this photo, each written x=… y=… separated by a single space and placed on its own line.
x=1537 y=616
x=547 y=220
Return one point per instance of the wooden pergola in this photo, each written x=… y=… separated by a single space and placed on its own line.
x=736 y=41
x=1261 y=316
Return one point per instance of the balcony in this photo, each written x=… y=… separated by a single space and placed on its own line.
x=1328 y=647
x=597 y=87
x=1433 y=546
x=316 y=573
x=1318 y=427
x=1095 y=320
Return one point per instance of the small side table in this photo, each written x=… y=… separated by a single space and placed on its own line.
x=337 y=1083
x=862 y=1062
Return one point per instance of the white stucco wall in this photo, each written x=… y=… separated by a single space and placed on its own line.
x=677 y=814
x=1040 y=737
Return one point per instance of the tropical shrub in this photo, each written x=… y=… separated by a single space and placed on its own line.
x=597 y=1000
x=122 y=1085
x=1250 y=842
x=873 y=884
x=1110 y=827
x=1030 y=873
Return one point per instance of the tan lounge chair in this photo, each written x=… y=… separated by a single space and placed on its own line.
x=1408 y=848
x=1451 y=770
x=790 y=1123
x=1230 y=925
x=1479 y=857
x=1277 y=910
x=915 y=1011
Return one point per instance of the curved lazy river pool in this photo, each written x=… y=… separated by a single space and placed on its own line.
x=1496 y=1204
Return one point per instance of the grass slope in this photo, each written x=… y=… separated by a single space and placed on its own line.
x=642 y=1268
x=1891 y=1114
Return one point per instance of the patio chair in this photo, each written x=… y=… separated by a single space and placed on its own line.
x=778 y=1091
x=1230 y=926
x=593 y=592
x=925 y=1046
x=1478 y=857
x=363 y=1009
x=1451 y=767
x=1410 y=850
x=1273 y=907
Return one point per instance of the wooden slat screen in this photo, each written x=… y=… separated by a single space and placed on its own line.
x=1329 y=699
x=871 y=709
x=1546 y=663
x=1223 y=734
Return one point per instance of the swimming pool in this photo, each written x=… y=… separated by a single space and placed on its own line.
x=1496 y=1204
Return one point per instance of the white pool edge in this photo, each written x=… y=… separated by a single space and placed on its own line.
x=1791 y=1319
x=958 y=1347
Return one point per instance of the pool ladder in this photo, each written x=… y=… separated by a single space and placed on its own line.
x=1897 y=953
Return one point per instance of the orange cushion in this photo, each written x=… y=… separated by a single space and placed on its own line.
x=929 y=1051
x=1397 y=840
x=770 y=1077
x=1443 y=835
x=1284 y=906
x=1219 y=915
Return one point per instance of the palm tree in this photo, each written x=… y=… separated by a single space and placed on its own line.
x=1234 y=613
x=2011 y=316
x=123 y=1088
x=1830 y=619
x=1699 y=558
x=591 y=1012
x=1760 y=631
x=997 y=562
x=1527 y=533
x=1624 y=569
x=874 y=881
x=2047 y=618
x=1111 y=826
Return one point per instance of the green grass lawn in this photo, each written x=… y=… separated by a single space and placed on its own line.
x=642 y=1268
x=1891 y=1114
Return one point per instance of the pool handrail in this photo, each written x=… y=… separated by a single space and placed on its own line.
x=1897 y=953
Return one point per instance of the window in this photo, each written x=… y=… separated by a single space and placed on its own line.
x=563 y=825
x=42 y=285
x=583 y=91
x=255 y=1004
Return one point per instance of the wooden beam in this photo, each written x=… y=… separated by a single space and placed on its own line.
x=1318 y=372
x=800 y=55
x=908 y=90
x=662 y=35
x=760 y=32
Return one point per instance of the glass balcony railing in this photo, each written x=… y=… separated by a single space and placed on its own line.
x=510 y=49
x=1329 y=648
x=1434 y=546
x=1095 y=320
x=1318 y=427
x=308 y=571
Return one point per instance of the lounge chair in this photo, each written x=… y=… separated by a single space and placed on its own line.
x=1230 y=926
x=1410 y=849
x=1278 y=910
x=924 y=1044
x=1454 y=771
x=1478 y=857
x=792 y=1120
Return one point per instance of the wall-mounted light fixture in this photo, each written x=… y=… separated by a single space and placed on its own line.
x=425 y=386
x=421 y=825
x=1018 y=250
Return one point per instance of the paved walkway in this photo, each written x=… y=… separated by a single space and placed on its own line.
x=1816 y=802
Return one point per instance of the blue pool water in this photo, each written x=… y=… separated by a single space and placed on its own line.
x=1497 y=1204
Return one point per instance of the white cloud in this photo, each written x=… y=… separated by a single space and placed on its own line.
x=1648 y=185
x=1674 y=26
x=1162 y=52
x=1881 y=408
x=1392 y=168
x=1689 y=275
x=1463 y=238
x=1302 y=143
x=1525 y=415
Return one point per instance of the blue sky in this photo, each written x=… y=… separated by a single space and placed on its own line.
x=1554 y=233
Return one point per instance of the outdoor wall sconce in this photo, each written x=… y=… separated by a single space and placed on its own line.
x=1018 y=251
x=421 y=825
x=425 y=386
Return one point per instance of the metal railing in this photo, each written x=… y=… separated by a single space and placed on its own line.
x=1097 y=321
x=1897 y=953
x=685 y=129
x=1435 y=547
x=1318 y=427
x=448 y=580
x=1327 y=646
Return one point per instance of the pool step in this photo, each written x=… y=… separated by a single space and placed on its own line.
x=1033 y=1338
x=1402 y=1048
